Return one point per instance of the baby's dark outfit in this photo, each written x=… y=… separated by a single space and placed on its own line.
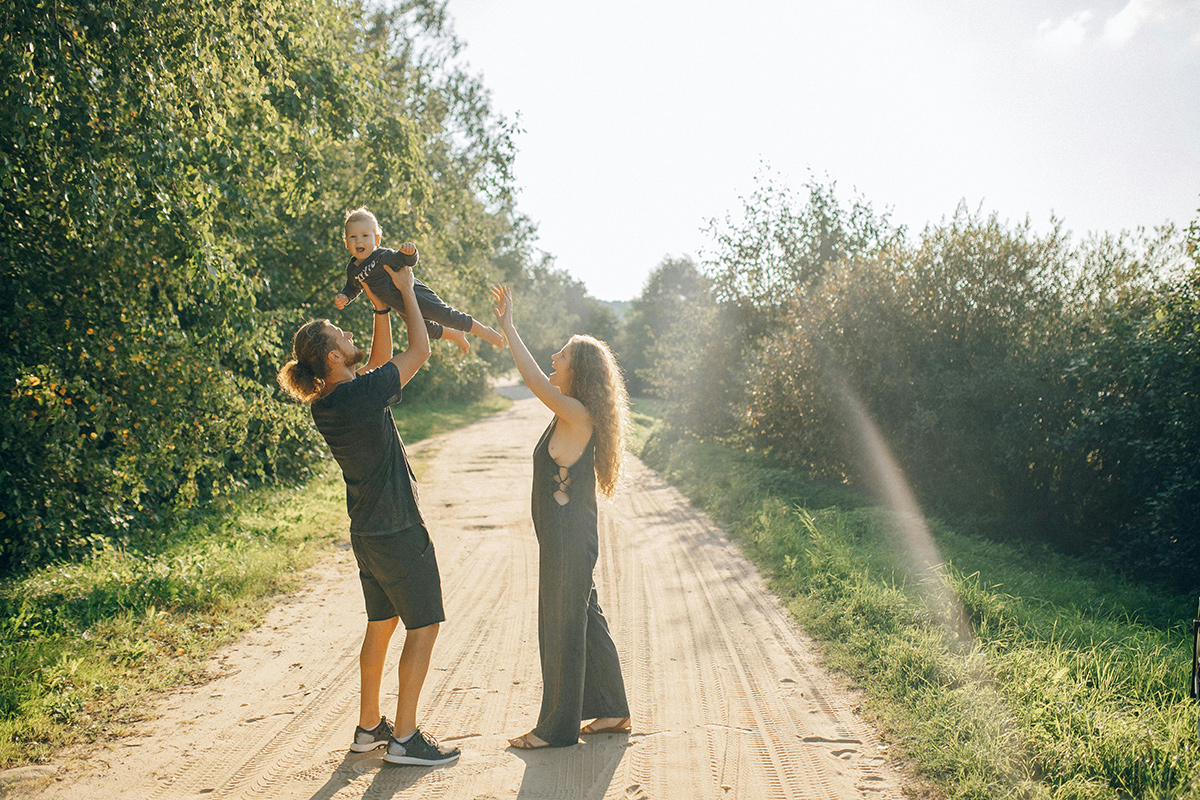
x=434 y=310
x=581 y=672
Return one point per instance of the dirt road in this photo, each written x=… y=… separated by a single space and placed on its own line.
x=727 y=696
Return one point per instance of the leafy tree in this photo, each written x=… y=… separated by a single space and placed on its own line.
x=778 y=247
x=174 y=180
x=673 y=293
x=1029 y=388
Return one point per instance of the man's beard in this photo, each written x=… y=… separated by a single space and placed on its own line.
x=355 y=358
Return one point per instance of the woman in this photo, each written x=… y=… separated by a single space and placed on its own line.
x=579 y=453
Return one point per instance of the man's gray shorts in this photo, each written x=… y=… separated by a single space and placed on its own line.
x=399 y=575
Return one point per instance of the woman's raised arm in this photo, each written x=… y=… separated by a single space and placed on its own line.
x=566 y=407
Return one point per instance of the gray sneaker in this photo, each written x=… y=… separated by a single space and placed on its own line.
x=365 y=740
x=420 y=749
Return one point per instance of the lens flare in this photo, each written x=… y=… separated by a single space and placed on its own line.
x=922 y=558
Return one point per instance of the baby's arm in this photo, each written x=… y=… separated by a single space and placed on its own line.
x=409 y=255
x=350 y=291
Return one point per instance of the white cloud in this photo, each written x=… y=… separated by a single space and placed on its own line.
x=1067 y=35
x=1121 y=28
x=1126 y=23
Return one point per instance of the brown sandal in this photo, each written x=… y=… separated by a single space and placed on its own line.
x=527 y=742
x=621 y=726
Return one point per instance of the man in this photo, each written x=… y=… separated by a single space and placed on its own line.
x=396 y=559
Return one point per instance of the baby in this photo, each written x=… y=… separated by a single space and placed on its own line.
x=367 y=258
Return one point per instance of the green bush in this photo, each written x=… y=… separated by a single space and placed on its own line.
x=1028 y=388
x=1138 y=427
x=953 y=349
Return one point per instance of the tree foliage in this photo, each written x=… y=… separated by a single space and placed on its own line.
x=779 y=246
x=1028 y=387
x=675 y=290
x=1137 y=426
x=174 y=177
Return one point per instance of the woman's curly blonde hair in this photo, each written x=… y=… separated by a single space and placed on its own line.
x=597 y=383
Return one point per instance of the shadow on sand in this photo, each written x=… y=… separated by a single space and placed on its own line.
x=389 y=779
x=582 y=772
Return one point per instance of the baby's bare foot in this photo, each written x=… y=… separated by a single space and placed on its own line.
x=458 y=337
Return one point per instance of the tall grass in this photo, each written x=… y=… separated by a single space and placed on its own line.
x=1072 y=683
x=82 y=643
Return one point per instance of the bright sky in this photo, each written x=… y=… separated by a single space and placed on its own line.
x=643 y=120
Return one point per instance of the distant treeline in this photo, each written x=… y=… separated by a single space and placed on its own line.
x=174 y=177
x=1031 y=388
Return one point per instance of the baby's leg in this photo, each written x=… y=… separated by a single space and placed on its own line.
x=458 y=337
x=489 y=335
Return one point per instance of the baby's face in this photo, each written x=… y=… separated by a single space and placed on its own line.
x=361 y=239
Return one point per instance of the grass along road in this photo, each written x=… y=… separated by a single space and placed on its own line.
x=85 y=645
x=1071 y=684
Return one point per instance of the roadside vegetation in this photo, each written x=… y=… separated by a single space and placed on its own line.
x=825 y=383
x=1034 y=388
x=1071 y=684
x=85 y=644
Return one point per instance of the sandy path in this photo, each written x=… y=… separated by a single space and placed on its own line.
x=727 y=697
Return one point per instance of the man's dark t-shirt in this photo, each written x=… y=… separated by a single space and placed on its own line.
x=356 y=421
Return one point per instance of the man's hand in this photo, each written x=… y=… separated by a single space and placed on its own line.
x=375 y=301
x=340 y=301
x=403 y=277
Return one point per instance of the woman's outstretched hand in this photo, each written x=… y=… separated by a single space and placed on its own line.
x=504 y=304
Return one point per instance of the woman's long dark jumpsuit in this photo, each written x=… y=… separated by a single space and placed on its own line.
x=581 y=673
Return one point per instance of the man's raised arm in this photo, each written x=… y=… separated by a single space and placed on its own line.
x=418 y=350
x=381 y=336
